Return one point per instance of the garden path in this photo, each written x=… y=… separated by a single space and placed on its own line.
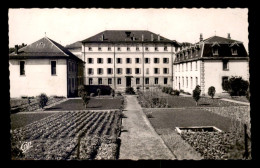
x=235 y=101
x=139 y=140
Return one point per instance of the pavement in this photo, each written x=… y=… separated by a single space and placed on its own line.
x=139 y=141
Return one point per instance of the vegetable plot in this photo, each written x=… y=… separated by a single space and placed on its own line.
x=70 y=135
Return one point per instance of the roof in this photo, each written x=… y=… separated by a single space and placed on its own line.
x=45 y=47
x=127 y=36
x=221 y=40
x=75 y=45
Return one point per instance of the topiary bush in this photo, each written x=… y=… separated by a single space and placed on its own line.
x=99 y=92
x=113 y=93
x=211 y=91
x=42 y=100
x=196 y=94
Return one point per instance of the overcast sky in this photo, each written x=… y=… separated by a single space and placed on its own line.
x=67 y=26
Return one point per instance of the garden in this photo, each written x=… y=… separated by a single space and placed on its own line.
x=83 y=135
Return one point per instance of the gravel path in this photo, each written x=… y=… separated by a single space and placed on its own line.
x=139 y=141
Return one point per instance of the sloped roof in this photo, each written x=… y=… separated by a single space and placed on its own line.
x=45 y=47
x=219 y=40
x=75 y=45
x=127 y=36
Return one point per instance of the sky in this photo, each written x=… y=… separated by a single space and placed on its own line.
x=67 y=26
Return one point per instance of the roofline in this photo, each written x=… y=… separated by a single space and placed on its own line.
x=43 y=57
x=56 y=46
x=211 y=58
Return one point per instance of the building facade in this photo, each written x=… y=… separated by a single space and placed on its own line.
x=123 y=59
x=209 y=63
x=44 y=67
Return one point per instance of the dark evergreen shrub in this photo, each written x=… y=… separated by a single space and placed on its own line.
x=211 y=91
x=42 y=100
x=196 y=94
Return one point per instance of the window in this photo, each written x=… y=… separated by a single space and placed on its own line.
x=165 y=81
x=191 y=82
x=100 y=60
x=165 y=70
x=90 y=48
x=137 y=81
x=234 y=51
x=147 y=81
x=128 y=60
x=128 y=70
x=99 y=48
x=147 y=60
x=109 y=48
x=53 y=67
x=215 y=51
x=225 y=65
x=190 y=66
x=100 y=71
x=156 y=81
x=147 y=70
x=224 y=81
x=109 y=60
x=90 y=71
x=146 y=49
x=128 y=48
x=187 y=66
x=165 y=60
x=196 y=65
x=119 y=70
x=22 y=69
x=100 y=81
x=156 y=70
x=109 y=71
x=182 y=81
x=187 y=82
x=119 y=61
x=165 y=48
x=119 y=81
x=90 y=60
x=156 y=60
x=109 y=81
x=137 y=60
x=137 y=48
x=118 y=49
x=90 y=81
x=156 y=48
x=69 y=66
x=137 y=70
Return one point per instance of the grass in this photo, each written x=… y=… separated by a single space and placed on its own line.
x=21 y=120
x=171 y=118
x=94 y=104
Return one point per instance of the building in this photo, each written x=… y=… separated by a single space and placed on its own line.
x=44 y=67
x=126 y=58
x=208 y=63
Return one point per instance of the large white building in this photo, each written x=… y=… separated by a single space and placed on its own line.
x=209 y=63
x=123 y=59
x=44 y=67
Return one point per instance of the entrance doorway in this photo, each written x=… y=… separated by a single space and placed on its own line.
x=128 y=81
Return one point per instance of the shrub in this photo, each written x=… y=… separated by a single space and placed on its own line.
x=182 y=91
x=211 y=91
x=113 y=93
x=129 y=90
x=236 y=86
x=155 y=100
x=42 y=100
x=137 y=87
x=248 y=95
x=119 y=94
x=169 y=90
x=99 y=92
x=164 y=89
x=196 y=94
x=81 y=90
x=176 y=92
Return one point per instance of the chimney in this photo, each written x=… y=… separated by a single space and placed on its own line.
x=228 y=36
x=201 y=38
x=142 y=37
x=102 y=37
x=133 y=37
x=16 y=49
x=151 y=37
x=159 y=38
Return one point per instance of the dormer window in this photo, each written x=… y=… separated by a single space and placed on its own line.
x=137 y=48
x=128 y=48
x=165 y=48
x=146 y=49
x=99 y=48
x=234 y=51
x=90 y=48
x=109 y=48
x=215 y=51
x=118 y=49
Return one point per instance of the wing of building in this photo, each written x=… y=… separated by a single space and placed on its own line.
x=129 y=58
x=209 y=63
x=44 y=66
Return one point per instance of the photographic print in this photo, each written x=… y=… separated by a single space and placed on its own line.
x=129 y=84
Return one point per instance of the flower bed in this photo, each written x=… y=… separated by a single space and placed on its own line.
x=56 y=136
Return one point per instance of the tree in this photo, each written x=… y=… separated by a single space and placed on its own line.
x=113 y=93
x=211 y=91
x=42 y=100
x=196 y=94
x=236 y=86
x=12 y=49
x=83 y=94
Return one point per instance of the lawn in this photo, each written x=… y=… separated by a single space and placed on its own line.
x=22 y=119
x=56 y=137
x=94 y=104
